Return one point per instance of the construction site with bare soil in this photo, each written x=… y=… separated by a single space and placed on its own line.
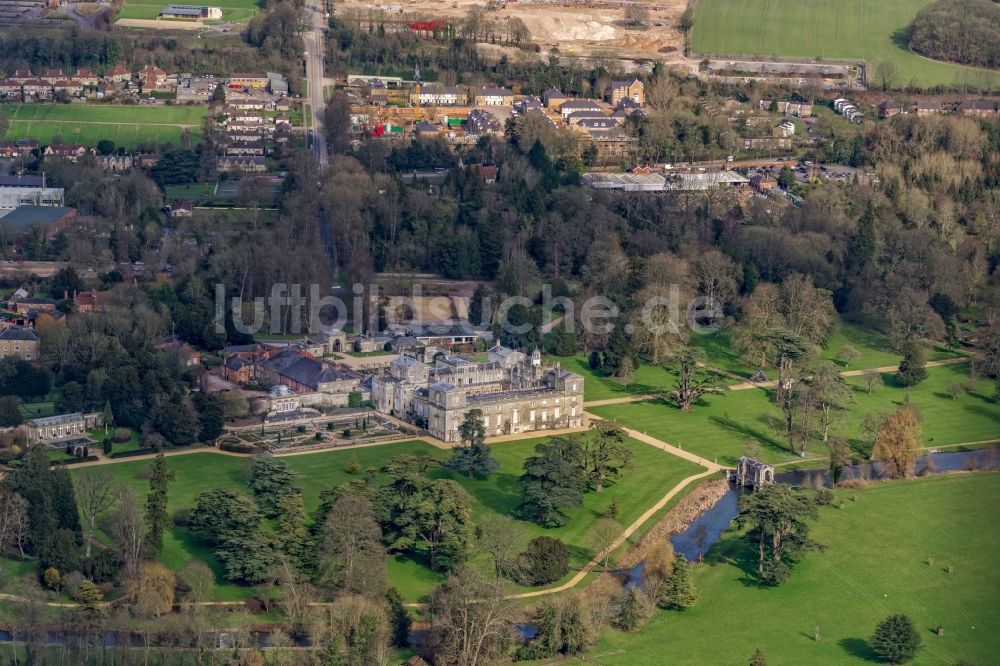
x=612 y=29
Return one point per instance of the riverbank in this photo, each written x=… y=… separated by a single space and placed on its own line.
x=692 y=506
x=921 y=546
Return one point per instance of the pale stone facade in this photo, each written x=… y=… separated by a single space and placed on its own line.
x=514 y=393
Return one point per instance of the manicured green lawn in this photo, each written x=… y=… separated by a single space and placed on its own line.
x=647 y=379
x=132 y=444
x=875 y=564
x=655 y=473
x=88 y=124
x=871 y=344
x=190 y=191
x=873 y=347
x=719 y=427
x=232 y=10
x=719 y=352
x=34 y=410
x=11 y=569
x=843 y=29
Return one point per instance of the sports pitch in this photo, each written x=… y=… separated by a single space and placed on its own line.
x=831 y=30
x=127 y=126
x=232 y=10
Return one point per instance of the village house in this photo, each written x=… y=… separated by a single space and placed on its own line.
x=185 y=355
x=634 y=90
x=153 y=74
x=788 y=107
x=494 y=97
x=238 y=370
x=437 y=96
x=37 y=89
x=10 y=90
x=70 y=87
x=90 y=301
x=22 y=75
x=85 y=77
x=238 y=115
x=578 y=105
x=19 y=342
x=763 y=183
x=181 y=209
x=118 y=74
x=425 y=129
x=68 y=151
x=25 y=304
x=243 y=148
x=481 y=122
x=251 y=164
x=980 y=108
x=378 y=92
x=785 y=128
x=244 y=135
x=589 y=114
x=767 y=143
x=889 y=108
x=52 y=75
x=248 y=103
x=9 y=149
x=553 y=98
x=923 y=109
x=588 y=125
x=528 y=104
x=252 y=352
x=115 y=163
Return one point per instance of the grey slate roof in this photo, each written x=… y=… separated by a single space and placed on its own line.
x=306 y=371
x=19 y=333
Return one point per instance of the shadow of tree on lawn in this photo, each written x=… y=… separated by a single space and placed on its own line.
x=857 y=647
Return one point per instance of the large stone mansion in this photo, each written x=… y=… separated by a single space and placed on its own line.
x=514 y=392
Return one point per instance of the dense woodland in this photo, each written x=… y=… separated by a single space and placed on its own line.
x=965 y=31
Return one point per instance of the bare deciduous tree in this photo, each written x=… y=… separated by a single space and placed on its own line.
x=602 y=536
x=128 y=529
x=95 y=494
x=14 y=528
x=471 y=621
x=501 y=538
x=352 y=556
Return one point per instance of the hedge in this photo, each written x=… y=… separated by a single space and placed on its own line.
x=76 y=461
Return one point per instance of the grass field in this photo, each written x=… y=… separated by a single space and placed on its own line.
x=875 y=564
x=232 y=10
x=719 y=427
x=654 y=475
x=127 y=126
x=871 y=345
x=842 y=29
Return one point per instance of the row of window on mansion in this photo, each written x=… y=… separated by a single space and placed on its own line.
x=515 y=416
